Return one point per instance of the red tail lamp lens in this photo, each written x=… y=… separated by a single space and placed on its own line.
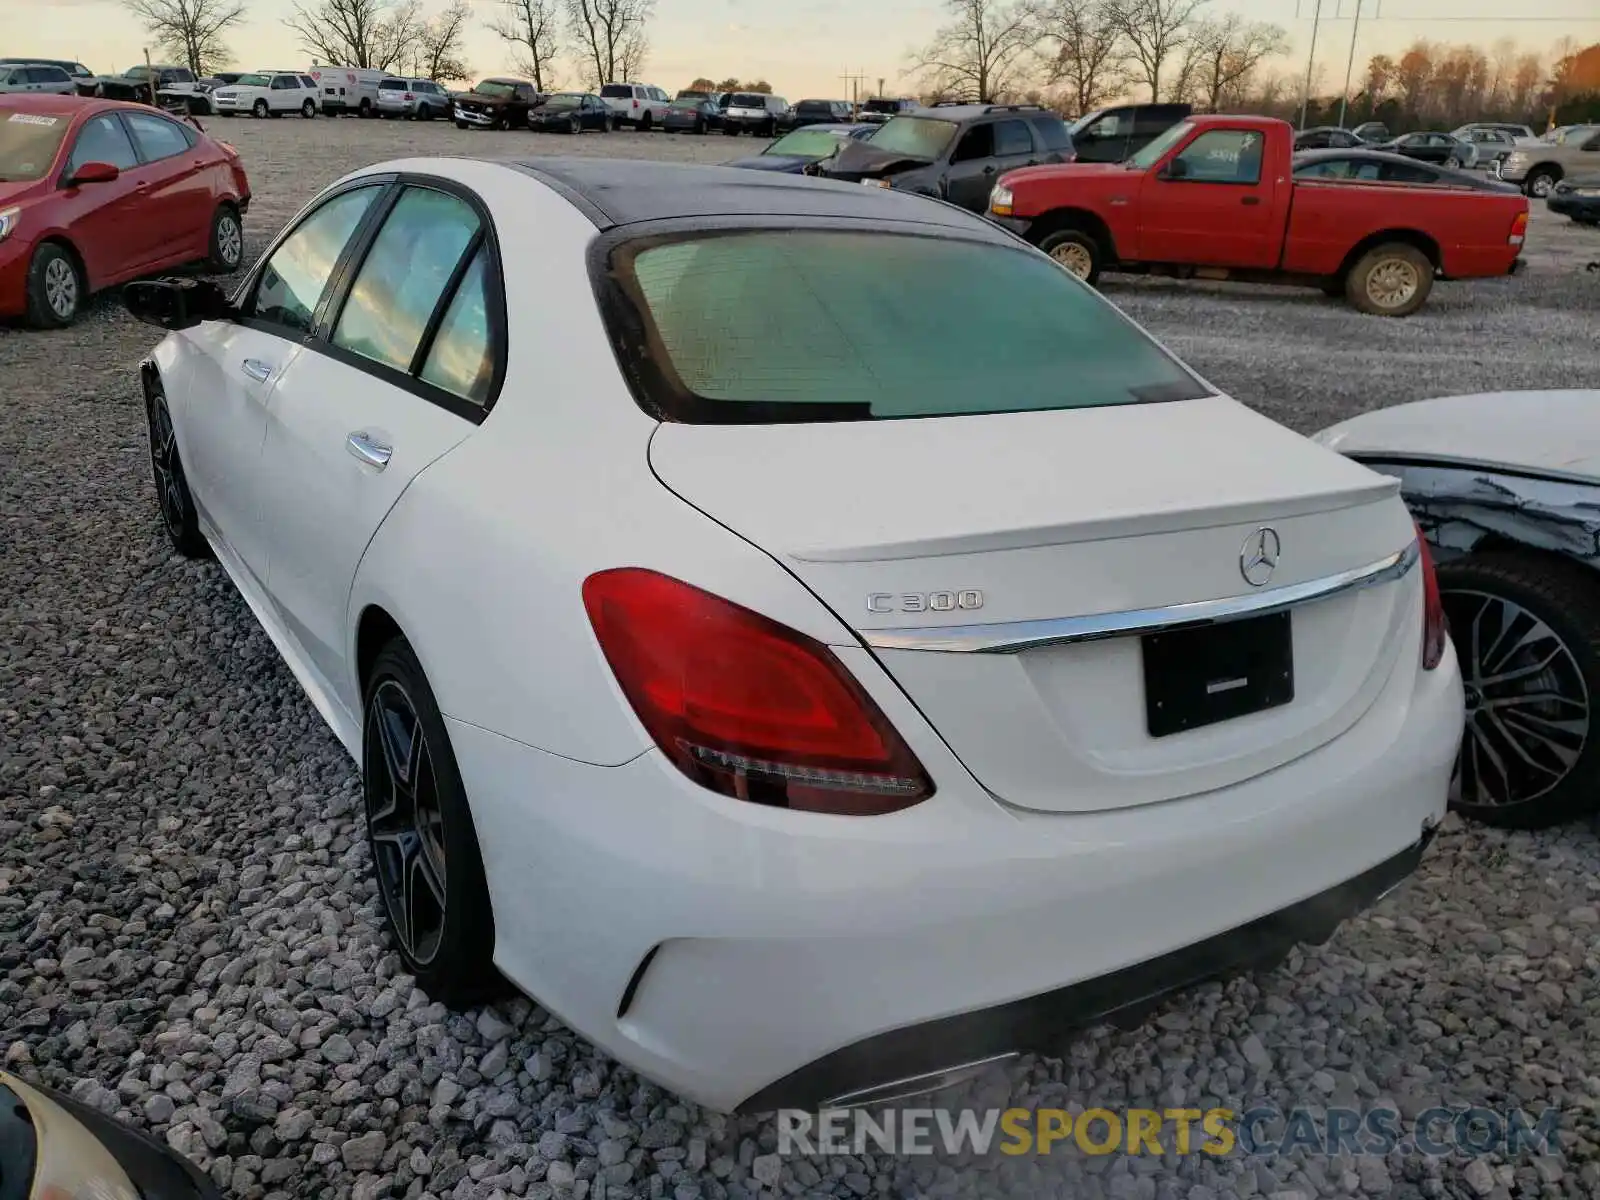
x=745 y=706
x=1435 y=629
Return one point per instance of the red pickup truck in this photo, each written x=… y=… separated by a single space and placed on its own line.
x=1216 y=197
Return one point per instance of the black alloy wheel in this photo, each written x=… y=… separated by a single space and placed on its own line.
x=425 y=855
x=574 y=125
x=1526 y=630
x=173 y=498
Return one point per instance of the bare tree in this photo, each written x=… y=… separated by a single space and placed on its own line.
x=533 y=28
x=1226 y=54
x=191 y=30
x=1155 y=30
x=439 y=52
x=358 y=33
x=611 y=37
x=982 y=54
x=1086 y=53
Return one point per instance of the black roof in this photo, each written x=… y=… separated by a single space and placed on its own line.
x=1469 y=179
x=624 y=191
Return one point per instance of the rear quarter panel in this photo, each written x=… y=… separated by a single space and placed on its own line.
x=1471 y=229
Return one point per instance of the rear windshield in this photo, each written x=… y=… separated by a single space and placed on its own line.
x=28 y=144
x=876 y=326
x=887 y=106
x=747 y=100
x=391 y=85
x=617 y=90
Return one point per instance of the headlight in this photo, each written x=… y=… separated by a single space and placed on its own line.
x=8 y=221
x=1516 y=158
x=1583 y=191
x=1000 y=200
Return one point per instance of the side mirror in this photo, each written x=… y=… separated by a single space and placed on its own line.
x=176 y=303
x=94 y=172
x=1177 y=168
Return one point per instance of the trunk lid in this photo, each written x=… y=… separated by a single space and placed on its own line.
x=900 y=525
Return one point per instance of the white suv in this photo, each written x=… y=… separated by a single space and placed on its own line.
x=269 y=93
x=636 y=104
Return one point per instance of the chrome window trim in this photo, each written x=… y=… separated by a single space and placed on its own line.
x=1010 y=637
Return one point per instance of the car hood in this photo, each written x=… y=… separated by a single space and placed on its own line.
x=1056 y=172
x=1550 y=433
x=11 y=193
x=862 y=160
x=773 y=162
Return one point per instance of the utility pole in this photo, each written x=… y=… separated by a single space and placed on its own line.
x=1311 y=58
x=1350 y=62
x=880 y=87
x=852 y=80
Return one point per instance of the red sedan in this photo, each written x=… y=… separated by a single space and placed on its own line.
x=97 y=192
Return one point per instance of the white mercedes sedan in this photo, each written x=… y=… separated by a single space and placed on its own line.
x=795 y=631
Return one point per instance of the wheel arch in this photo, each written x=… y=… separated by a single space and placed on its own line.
x=1553 y=169
x=60 y=238
x=1409 y=237
x=1081 y=219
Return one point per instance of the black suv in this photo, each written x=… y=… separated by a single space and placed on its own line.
x=954 y=151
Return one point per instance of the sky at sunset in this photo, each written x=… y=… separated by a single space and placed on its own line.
x=804 y=46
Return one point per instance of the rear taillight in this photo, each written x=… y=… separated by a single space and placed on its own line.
x=1435 y=630
x=1519 y=229
x=636 y=104
x=745 y=706
x=409 y=96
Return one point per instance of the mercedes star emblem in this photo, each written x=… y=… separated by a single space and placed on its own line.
x=1258 y=557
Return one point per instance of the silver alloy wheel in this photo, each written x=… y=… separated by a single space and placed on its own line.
x=61 y=287
x=1452 y=162
x=230 y=239
x=1527 y=702
x=1074 y=257
x=1392 y=283
x=1541 y=185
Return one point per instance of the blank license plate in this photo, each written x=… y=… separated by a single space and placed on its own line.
x=1197 y=677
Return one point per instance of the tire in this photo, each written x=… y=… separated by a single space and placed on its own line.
x=227 y=240
x=574 y=126
x=308 y=110
x=1391 y=280
x=1332 y=288
x=173 y=498
x=1078 y=252
x=461 y=125
x=1540 y=182
x=425 y=112
x=730 y=131
x=364 y=110
x=700 y=128
x=56 y=288
x=259 y=109
x=1550 y=607
x=645 y=122
x=425 y=861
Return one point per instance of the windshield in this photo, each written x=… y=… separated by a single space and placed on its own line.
x=1152 y=153
x=28 y=145
x=887 y=106
x=491 y=88
x=806 y=143
x=617 y=91
x=747 y=100
x=918 y=137
x=563 y=101
x=253 y=81
x=869 y=332
x=391 y=85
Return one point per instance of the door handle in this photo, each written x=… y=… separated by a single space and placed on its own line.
x=989 y=170
x=256 y=369
x=1250 y=200
x=372 y=453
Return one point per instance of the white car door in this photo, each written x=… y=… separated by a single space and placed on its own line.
x=242 y=362
x=400 y=373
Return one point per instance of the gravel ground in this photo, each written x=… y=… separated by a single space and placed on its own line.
x=188 y=938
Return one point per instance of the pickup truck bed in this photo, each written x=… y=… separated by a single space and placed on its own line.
x=1216 y=197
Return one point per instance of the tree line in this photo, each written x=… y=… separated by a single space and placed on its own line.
x=1078 y=55
x=602 y=40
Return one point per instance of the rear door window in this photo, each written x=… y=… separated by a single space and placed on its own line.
x=1025 y=336
x=1406 y=173
x=1011 y=138
x=405 y=273
x=157 y=137
x=1051 y=133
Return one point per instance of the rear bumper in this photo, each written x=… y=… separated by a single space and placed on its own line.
x=750 y=958
x=1044 y=1021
